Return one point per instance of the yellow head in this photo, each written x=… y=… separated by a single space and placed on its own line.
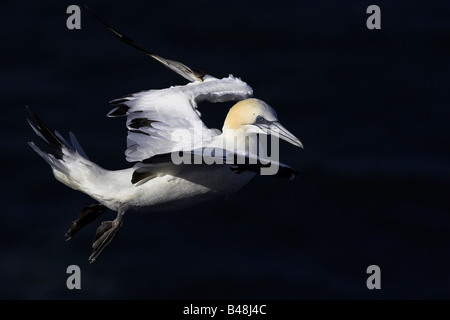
x=256 y=116
x=245 y=112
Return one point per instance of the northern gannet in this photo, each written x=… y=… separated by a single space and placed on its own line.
x=164 y=127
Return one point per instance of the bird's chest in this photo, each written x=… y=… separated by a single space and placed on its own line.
x=190 y=187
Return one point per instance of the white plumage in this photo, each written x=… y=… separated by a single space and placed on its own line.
x=173 y=109
x=157 y=182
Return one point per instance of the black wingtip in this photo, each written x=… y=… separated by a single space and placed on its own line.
x=45 y=133
x=119 y=110
x=32 y=114
x=191 y=74
x=86 y=9
x=111 y=29
x=118 y=34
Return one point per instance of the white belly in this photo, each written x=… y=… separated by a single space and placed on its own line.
x=195 y=184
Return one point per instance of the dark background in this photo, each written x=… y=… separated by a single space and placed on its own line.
x=370 y=106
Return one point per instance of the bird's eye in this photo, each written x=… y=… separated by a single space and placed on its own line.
x=259 y=119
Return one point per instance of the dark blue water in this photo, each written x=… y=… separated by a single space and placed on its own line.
x=371 y=107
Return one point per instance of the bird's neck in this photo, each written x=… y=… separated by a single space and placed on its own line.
x=231 y=123
x=239 y=140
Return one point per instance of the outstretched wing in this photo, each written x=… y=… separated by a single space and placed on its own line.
x=167 y=120
x=237 y=162
x=191 y=74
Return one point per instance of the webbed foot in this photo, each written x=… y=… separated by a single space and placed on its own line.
x=104 y=235
x=86 y=216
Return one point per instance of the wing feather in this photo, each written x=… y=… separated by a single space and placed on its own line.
x=191 y=74
x=167 y=120
x=155 y=116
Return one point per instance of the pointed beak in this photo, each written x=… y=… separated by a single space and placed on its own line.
x=276 y=129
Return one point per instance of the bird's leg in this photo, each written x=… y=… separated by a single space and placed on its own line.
x=86 y=216
x=105 y=234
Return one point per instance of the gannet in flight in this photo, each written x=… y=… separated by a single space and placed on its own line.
x=156 y=182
